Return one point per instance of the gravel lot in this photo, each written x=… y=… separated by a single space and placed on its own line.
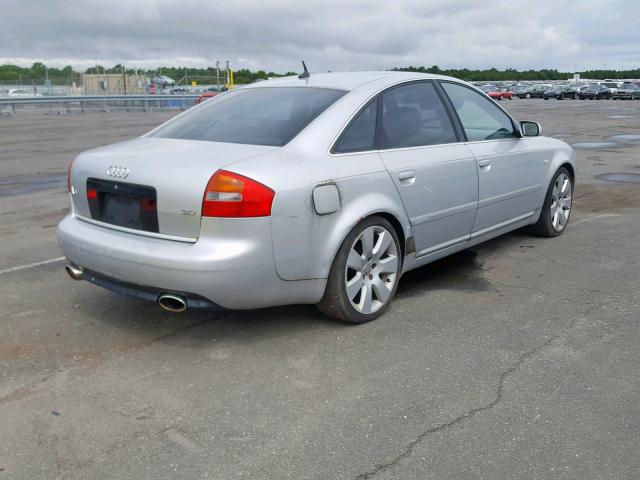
x=518 y=358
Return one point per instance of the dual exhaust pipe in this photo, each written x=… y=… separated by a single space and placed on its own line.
x=168 y=301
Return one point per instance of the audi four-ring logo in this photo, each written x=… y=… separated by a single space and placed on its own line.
x=118 y=172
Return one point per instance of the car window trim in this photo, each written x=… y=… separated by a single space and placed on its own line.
x=514 y=123
x=433 y=82
x=457 y=127
x=342 y=133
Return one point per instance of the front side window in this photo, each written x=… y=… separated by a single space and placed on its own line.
x=413 y=115
x=360 y=135
x=480 y=117
x=257 y=116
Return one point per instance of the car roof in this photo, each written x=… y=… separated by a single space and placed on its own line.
x=347 y=80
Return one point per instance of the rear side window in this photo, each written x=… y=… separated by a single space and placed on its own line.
x=360 y=135
x=258 y=116
x=480 y=117
x=413 y=116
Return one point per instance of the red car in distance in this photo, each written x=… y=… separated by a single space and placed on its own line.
x=205 y=96
x=495 y=93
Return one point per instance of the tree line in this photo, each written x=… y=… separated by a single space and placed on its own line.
x=66 y=75
x=512 y=74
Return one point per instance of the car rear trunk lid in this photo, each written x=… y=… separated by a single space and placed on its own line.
x=151 y=186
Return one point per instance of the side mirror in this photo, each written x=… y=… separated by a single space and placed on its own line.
x=530 y=129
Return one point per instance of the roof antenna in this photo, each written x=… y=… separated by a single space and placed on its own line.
x=304 y=74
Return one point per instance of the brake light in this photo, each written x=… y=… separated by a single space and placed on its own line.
x=69 y=175
x=229 y=194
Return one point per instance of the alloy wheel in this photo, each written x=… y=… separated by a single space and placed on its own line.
x=561 y=202
x=371 y=270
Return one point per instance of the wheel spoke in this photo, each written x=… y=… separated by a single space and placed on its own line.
x=367 y=241
x=387 y=265
x=562 y=217
x=354 y=285
x=565 y=185
x=383 y=243
x=554 y=219
x=355 y=260
x=366 y=299
x=380 y=289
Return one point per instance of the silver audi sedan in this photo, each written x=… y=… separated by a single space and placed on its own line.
x=321 y=190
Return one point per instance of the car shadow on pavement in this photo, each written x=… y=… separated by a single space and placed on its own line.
x=462 y=271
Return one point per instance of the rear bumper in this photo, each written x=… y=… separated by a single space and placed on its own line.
x=146 y=293
x=231 y=265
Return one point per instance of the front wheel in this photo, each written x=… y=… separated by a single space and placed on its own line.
x=556 y=209
x=364 y=274
x=528 y=95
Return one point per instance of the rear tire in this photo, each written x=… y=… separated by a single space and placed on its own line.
x=556 y=209
x=365 y=273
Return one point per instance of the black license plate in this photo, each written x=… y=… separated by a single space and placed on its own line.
x=123 y=204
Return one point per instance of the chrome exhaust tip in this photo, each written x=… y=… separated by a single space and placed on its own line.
x=74 y=271
x=172 y=303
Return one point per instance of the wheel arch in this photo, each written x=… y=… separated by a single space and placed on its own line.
x=405 y=236
x=572 y=172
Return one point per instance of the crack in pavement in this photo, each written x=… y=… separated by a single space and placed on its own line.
x=408 y=450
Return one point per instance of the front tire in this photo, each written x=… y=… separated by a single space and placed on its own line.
x=365 y=272
x=556 y=209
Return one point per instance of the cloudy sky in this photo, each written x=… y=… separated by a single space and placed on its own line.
x=330 y=35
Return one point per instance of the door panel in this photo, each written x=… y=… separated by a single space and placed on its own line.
x=441 y=194
x=436 y=176
x=511 y=170
x=511 y=173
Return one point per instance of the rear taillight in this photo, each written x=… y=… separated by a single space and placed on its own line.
x=231 y=195
x=69 y=175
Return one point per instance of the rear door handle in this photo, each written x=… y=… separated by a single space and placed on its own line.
x=407 y=175
x=485 y=165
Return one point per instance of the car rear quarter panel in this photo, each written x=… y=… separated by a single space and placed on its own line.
x=305 y=243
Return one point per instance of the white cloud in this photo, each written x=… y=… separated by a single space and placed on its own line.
x=329 y=35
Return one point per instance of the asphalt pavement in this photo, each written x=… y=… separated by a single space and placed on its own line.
x=516 y=359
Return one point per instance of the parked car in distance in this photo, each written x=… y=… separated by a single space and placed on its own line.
x=595 y=91
x=523 y=91
x=533 y=91
x=612 y=86
x=316 y=190
x=506 y=93
x=559 y=92
x=625 y=91
x=22 y=93
x=205 y=96
x=493 y=91
x=538 y=90
x=574 y=91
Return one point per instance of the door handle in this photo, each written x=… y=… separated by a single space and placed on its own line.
x=407 y=175
x=485 y=165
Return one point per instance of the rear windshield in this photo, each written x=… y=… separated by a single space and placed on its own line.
x=257 y=116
